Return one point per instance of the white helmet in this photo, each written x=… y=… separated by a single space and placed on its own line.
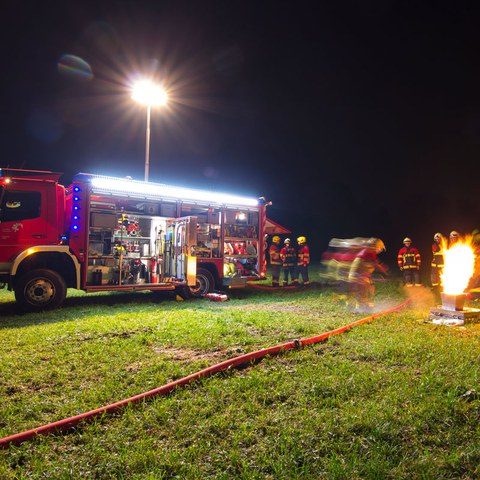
x=437 y=237
x=407 y=240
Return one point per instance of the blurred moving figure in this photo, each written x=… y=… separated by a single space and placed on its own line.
x=303 y=260
x=409 y=261
x=289 y=261
x=437 y=262
x=365 y=263
x=338 y=258
x=275 y=260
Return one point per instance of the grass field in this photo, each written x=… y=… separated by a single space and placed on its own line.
x=395 y=398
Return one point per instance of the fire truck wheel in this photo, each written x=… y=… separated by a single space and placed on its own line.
x=40 y=290
x=205 y=283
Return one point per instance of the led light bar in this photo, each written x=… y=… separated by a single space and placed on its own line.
x=126 y=186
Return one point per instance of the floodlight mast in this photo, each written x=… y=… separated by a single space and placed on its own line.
x=151 y=95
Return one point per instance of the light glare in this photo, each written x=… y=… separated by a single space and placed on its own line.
x=150 y=94
x=110 y=184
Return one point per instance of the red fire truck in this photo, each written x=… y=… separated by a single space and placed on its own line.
x=117 y=234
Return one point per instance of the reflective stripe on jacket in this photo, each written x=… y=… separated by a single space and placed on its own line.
x=303 y=255
x=288 y=256
x=274 y=252
x=408 y=257
x=437 y=260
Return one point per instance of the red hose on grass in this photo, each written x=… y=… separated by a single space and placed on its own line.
x=70 y=422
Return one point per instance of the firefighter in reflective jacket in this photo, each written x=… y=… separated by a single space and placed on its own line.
x=437 y=261
x=303 y=260
x=275 y=260
x=289 y=262
x=409 y=262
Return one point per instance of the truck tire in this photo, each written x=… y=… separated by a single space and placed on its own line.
x=40 y=289
x=205 y=283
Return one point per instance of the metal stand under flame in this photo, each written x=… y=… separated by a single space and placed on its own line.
x=452 y=312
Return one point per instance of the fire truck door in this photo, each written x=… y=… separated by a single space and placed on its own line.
x=23 y=219
x=184 y=239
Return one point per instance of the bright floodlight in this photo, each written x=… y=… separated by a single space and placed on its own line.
x=149 y=94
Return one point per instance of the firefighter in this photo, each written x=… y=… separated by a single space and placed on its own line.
x=437 y=262
x=289 y=261
x=409 y=262
x=275 y=260
x=453 y=238
x=303 y=260
x=360 y=282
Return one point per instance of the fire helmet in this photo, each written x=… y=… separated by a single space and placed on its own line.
x=287 y=240
x=453 y=234
x=380 y=246
x=275 y=239
x=377 y=244
x=407 y=240
x=437 y=237
x=301 y=240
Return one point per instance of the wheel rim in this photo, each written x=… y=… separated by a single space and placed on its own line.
x=39 y=291
x=201 y=287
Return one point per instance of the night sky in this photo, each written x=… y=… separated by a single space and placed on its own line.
x=357 y=118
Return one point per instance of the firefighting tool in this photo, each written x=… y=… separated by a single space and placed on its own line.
x=153 y=270
x=216 y=297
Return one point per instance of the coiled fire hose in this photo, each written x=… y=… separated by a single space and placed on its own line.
x=236 y=362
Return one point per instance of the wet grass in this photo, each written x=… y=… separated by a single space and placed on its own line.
x=396 y=398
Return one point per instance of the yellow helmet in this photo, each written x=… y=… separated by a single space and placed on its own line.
x=275 y=239
x=380 y=246
x=301 y=240
x=406 y=239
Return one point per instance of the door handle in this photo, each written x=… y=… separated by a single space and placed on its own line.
x=38 y=235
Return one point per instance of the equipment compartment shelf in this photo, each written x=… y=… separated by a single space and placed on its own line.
x=240 y=239
x=128 y=237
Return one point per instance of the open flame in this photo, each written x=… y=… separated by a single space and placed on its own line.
x=459 y=264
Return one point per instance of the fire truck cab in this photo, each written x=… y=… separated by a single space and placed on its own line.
x=118 y=234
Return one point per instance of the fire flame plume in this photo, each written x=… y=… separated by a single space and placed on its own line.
x=459 y=264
